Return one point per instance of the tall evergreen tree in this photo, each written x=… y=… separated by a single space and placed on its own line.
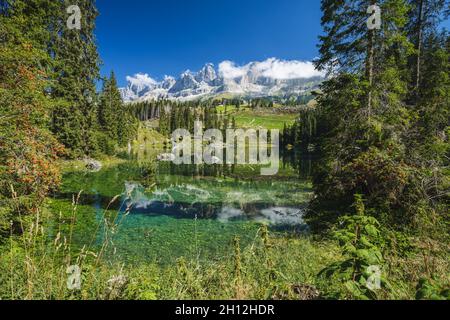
x=77 y=70
x=110 y=108
x=108 y=115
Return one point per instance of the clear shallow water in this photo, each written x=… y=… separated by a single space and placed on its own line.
x=165 y=212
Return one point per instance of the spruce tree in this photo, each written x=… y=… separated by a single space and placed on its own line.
x=74 y=90
x=127 y=125
x=110 y=108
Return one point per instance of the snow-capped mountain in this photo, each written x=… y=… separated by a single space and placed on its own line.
x=272 y=77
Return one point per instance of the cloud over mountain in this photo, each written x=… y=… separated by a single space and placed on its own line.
x=271 y=68
x=141 y=79
x=272 y=77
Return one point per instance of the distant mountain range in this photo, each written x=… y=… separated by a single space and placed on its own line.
x=269 y=78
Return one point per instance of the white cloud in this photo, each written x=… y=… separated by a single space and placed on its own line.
x=278 y=69
x=271 y=68
x=228 y=70
x=141 y=80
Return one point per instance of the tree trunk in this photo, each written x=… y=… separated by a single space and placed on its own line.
x=419 y=42
x=370 y=60
x=369 y=68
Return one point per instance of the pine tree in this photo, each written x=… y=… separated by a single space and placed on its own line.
x=110 y=108
x=127 y=125
x=110 y=113
x=77 y=70
x=173 y=118
x=164 y=124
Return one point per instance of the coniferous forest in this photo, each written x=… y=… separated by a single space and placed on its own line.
x=362 y=192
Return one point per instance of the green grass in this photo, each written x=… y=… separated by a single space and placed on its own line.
x=148 y=135
x=247 y=118
x=268 y=267
x=34 y=267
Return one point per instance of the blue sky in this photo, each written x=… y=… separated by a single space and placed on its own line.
x=162 y=37
x=166 y=37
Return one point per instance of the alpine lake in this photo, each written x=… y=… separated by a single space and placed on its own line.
x=150 y=211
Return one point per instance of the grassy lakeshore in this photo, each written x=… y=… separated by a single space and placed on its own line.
x=268 y=267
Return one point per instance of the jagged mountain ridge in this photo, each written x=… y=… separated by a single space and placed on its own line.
x=257 y=79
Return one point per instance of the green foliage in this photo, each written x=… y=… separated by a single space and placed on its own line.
x=361 y=243
x=375 y=135
x=73 y=88
x=28 y=152
x=431 y=290
x=109 y=108
x=143 y=285
x=66 y=65
x=271 y=267
x=303 y=132
x=117 y=125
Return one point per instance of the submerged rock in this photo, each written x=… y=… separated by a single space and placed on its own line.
x=229 y=213
x=283 y=216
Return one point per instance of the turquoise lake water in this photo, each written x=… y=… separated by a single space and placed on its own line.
x=163 y=212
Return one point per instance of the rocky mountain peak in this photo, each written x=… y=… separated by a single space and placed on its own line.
x=272 y=77
x=207 y=74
